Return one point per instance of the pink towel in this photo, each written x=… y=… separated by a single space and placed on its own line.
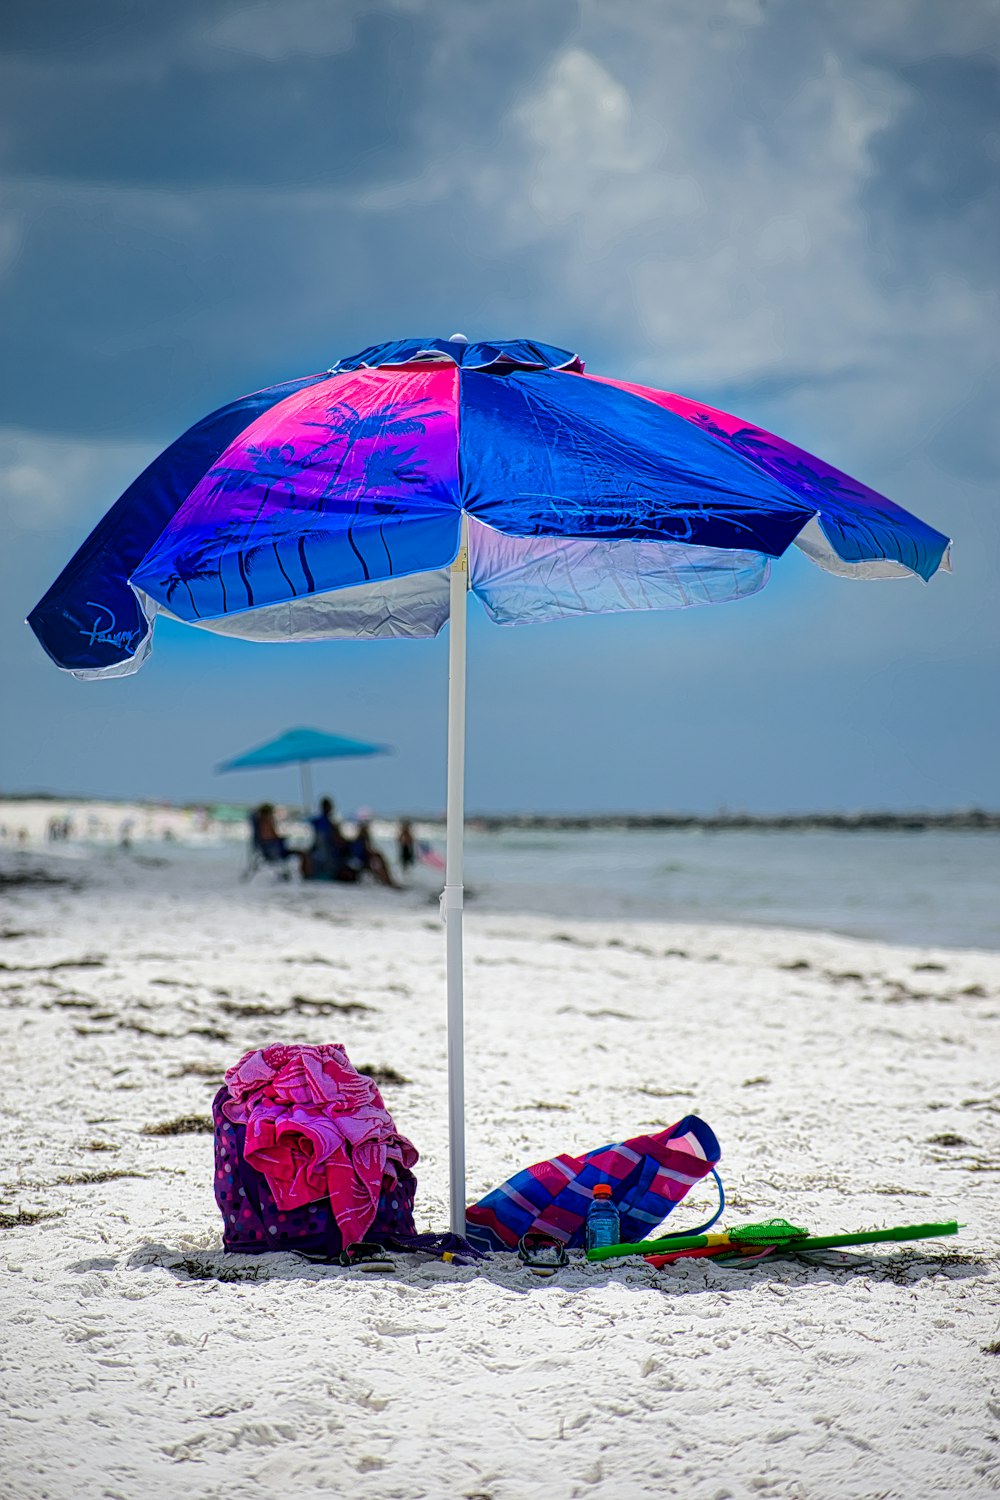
x=315 y=1126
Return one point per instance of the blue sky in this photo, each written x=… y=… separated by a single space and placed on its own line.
x=787 y=210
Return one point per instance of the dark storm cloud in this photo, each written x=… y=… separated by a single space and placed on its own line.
x=188 y=218
x=69 y=29
x=314 y=120
x=247 y=292
x=174 y=103
x=202 y=198
x=230 y=183
x=935 y=188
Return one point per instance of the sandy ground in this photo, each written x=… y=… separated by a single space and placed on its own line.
x=851 y=1085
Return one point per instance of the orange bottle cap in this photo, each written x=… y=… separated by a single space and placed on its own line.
x=602 y=1190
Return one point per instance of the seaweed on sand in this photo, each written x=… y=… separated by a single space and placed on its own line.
x=329 y=1007
x=211 y=1072
x=196 y=1270
x=32 y=875
x=25 y=1216
x=86 y=1179
x=183 y=1125
x=250 y=1009
x=62 y=963
x=383 y=1077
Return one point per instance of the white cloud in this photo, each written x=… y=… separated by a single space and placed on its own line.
x=911 y=30
x=278 y=31
x=47 y=482
x=697 y=191
x=730 y=255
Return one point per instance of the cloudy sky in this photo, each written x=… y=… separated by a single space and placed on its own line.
x=787 y=210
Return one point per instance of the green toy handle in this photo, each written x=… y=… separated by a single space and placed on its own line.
x=651 y=1247
x=876 y=1236
x=819 y=1242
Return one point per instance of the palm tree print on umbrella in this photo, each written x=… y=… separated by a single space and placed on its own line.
x=761 y=450
x=384 y=467
x=275 y=465
x=279 y=466
x=271 y=475
x=834 y=494
x=187 y=570
x=284 y=529
x=253 y=554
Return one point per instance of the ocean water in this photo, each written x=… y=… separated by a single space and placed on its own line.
x=929 y=888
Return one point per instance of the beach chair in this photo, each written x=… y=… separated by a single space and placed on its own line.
x=262 y=853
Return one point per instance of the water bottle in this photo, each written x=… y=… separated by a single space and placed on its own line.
x=603 y=1225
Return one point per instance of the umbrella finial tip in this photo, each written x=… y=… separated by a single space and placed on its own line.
x=458 y=338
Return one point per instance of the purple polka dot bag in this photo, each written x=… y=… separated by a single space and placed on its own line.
x=253 y=1223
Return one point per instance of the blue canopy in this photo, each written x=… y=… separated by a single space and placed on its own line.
x=299 y=745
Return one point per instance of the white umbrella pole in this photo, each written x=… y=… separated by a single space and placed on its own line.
x=453 y=899
x=307 y=796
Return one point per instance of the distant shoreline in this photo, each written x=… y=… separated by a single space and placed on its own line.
x=976 y=820
x=971 y=820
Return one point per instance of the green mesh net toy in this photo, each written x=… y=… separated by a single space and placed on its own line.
x=774 y=1234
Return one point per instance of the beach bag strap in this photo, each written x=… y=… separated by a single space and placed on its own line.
x=702 y=1228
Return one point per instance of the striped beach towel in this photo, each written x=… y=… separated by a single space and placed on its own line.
x=648 y=1176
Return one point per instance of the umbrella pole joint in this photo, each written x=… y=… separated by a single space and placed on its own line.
x=452 y=899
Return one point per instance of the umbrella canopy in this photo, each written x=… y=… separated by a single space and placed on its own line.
x=297 y=745
x=366 y=500
x=332 y=506
x=301 y=747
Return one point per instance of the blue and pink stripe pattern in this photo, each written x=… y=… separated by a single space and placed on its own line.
x=332 y=506
x=648 y=1176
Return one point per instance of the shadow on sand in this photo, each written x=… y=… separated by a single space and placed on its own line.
x=697 y=1277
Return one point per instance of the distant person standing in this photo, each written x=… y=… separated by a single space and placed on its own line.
x=406 y=845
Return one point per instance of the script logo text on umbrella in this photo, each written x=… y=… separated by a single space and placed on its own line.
x=301 y=747
x=365 y=501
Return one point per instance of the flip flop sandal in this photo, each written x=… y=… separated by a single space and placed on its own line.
x=542 y=1253
x=366 y=1255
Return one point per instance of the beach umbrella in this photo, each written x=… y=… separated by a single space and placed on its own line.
x=366 y=500
x=301 y=747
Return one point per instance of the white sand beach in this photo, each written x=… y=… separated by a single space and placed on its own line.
x=852 y=1084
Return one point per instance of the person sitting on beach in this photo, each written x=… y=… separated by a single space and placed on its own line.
x=363 y=855
x=328 y=857
x=266 y=836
